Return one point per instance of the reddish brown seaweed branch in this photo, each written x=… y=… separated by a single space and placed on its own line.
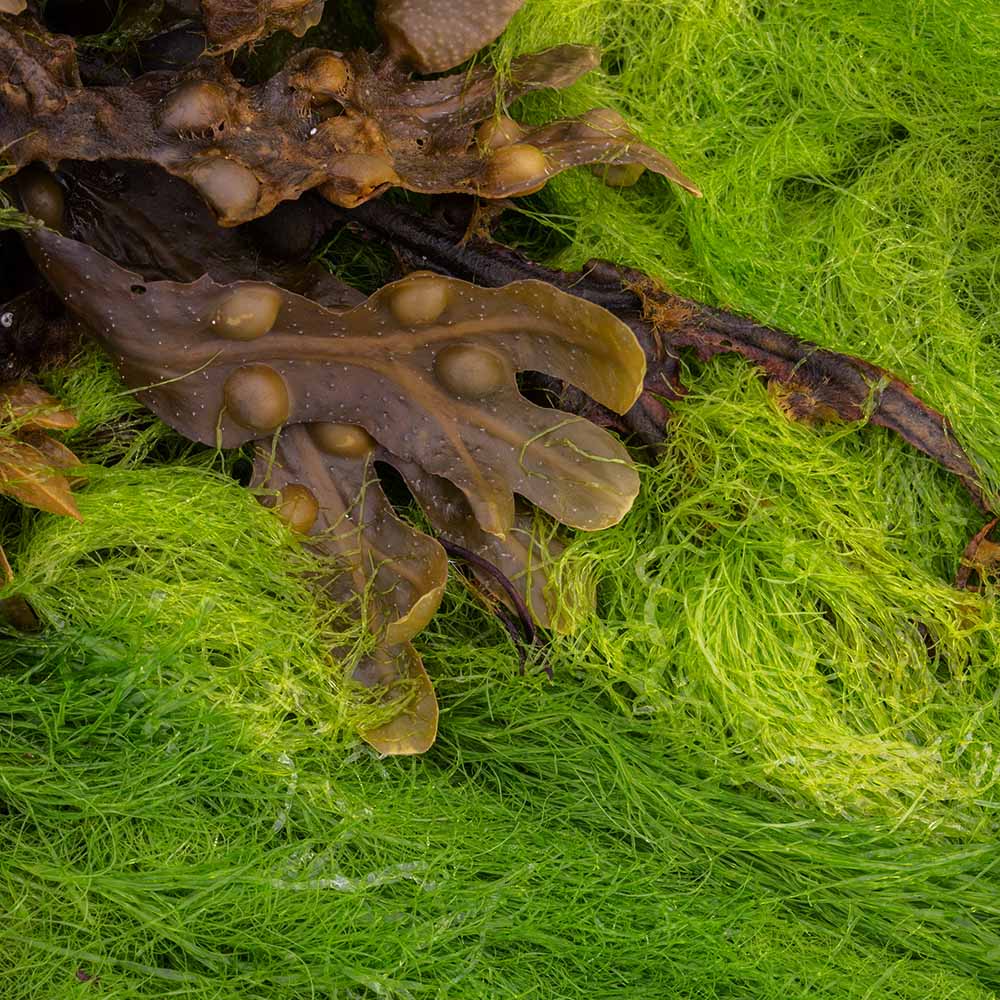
x=232 y=23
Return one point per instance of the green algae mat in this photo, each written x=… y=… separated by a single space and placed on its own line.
x=766 y=764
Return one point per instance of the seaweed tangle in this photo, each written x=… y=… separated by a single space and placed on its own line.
x=176 y=209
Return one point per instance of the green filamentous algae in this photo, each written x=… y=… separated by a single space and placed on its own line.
x=766 y=765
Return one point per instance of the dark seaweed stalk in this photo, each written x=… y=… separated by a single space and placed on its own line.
x=530 y=634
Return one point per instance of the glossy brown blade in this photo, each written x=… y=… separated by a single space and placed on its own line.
x=395 y=573
x=399 y=671
x=524 y=555
x=601 y=138
x=426 y=366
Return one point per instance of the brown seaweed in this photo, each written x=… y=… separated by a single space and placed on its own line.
x=321 y=480
x=426 y=366
x=155 y=224
x=232 y=23
x=348 y=125
x=523 y=556
x=981 y=559
x=33 y=465
x=816 y=383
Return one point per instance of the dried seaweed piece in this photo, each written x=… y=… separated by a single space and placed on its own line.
x=980 y=560
x=31 y=464
x=435 y=35
x=821 y=381
x=232 y=23
x=27 y=475
x=818 y=383
x=348 y=125
x=426 y=366
x=322 y=480
x=28 y=407
x=12 y=6
x=32 y=467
